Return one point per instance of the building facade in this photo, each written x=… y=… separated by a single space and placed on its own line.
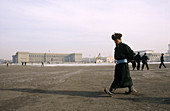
x=51 y=58
x=110 y=59
x=168 y=53
x=169 y=48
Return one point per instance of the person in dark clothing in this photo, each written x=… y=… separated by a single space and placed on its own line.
x=42 y=64
x=162 y=61
x=145 y=61
x=134 y=62
x=123 y=54
x=138 y=59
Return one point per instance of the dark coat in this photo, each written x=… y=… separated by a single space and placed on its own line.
x=162 y=58
x=122 y=77
x=138 y=58
x=145 y=59
x=123 y=51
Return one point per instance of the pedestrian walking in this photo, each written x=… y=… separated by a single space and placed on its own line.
x=42 y=64
x=162 y=61
x=145 y=61
x=134 y=62
x=7 y=64
x=123 y=54
x=138 y=60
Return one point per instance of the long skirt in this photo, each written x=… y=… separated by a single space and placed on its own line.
x=122 y=77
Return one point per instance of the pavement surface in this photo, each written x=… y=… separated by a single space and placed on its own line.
x=80 y=88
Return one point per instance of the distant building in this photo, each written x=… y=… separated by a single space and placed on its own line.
x=102 y=60
x=169 y=49
x=144 y=51
x=2 y=61
x=89 y=60
x=46 y=57
x=99 y=59
x=110 y=59
x=168 y=57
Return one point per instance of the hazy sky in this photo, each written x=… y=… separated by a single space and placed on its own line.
x=82 y=26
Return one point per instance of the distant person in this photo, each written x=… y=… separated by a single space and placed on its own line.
x=123 y=55
x=7 y=64
x=134 y=62
x=162 y=61
x=42 y=64
x=22 y=63
x=138 y=60
x=25 y=63
x=145 y=61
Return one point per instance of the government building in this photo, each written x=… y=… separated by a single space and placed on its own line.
x=51 y=58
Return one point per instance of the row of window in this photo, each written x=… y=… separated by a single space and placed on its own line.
x=36 y=56
x=155 y=55
x=42 y=56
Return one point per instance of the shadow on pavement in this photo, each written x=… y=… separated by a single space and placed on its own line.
x=59 y=92
x=159 y=100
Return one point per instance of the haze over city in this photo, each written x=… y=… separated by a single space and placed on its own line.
x=68 y=26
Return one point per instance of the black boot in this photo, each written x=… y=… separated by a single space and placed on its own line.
x=112 y=90
x=131 y=89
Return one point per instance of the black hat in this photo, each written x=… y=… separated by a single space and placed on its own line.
x=116 y=36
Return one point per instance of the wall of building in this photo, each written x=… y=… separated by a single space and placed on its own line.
x=77 y=57
x=169 y=48
x=154 y=57
x=14 y=59
x=110 y=59
x=50 y=58
x=22 y=57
